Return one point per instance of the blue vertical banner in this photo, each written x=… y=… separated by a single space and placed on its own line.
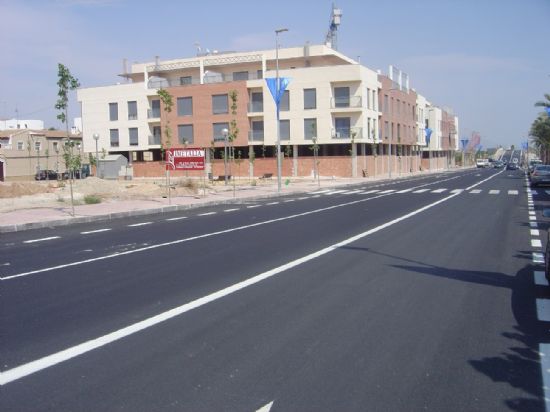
x=525 y=145
x=464 y=143
x=428 y=135
x=548 y=111
x=277 y=92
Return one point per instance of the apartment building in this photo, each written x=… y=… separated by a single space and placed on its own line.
x=332 y=104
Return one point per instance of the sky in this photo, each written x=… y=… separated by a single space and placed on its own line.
x=487 y=60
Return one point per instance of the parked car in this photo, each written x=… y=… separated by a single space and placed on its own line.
x=532 y=165
x=45 y=175
x=540 y=175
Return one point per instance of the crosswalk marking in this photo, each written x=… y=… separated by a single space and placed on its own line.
x=543 y=310
x=404 y=191
x=513 y=192
x=421 y=190
x=475 y=191
x=540 y=279
x=371 y=191
x=439 y=190
x=494 y=192
x=457 y=190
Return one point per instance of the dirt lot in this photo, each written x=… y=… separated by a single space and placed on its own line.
x=14 y=195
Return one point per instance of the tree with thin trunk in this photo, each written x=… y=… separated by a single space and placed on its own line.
x=67 y=82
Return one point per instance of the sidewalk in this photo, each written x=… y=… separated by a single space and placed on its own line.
x=32 y=216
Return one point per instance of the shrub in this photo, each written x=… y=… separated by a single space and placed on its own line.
x=92 y=199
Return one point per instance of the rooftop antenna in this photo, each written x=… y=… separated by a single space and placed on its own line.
x=331 y=39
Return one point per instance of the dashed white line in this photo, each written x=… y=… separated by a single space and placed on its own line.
x=272 y=203
x=231 y=210
x=457 y=190
x=252 y=206
x=140 y=224
x=439 y=190
x=371 y=191
x=421 y=190
x=41 y=240
x=494 y=192
x=207 y=214
x=475 y=191
x=290 y=200
x=94 y=231
x=513 y=192
x=387 y=191
x=177 y=218
x=403 y=191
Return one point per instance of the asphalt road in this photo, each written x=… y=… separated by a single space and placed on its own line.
x=407 y=295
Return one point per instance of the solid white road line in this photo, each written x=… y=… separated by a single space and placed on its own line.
x=177 y=218
x=95 y=231
x=41 y=240
x=252 y=206
x=21 y=371
x=140 y=224
x=272 y=203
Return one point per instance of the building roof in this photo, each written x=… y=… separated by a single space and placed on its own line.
x=59 y=134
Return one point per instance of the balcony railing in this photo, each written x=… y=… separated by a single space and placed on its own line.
x=345 y=102
x=154 y=140
x=256 y=136
x=347 y=133
x=153 y=113
x=208 y=78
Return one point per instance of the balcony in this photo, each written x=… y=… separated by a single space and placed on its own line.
x=154 y=140
x=209 y=78
x=256 y=136
x=353 y=102
x=153 y=114
x=347 y=133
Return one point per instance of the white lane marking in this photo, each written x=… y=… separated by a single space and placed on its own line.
x=140 y=224
x=177 y=218
x=538 y=257
x=513 y=192
x=303 y=198
x=457 y=190
x=536 y=243
x=320 y=191
x=371 y=191
x=533 y=224
x=272 y=203
x=231 y=210
x=387 y=191
x=543 y=310
x=21 y=371
x=266 y=408
x=544 y=354
x=535 y=232
x=534 y=192
x=41 y=240
x=95 y=231
x=532 y=218
x=334 y=192
x=352 y=192
x=207 y=214
x=439 y=190
x=290 y=200
x=315 y=196
x=421 y=190
x=532 y=213
x=475 y=191
x=404 y=191
x=252 y=206
x=540 y=279
x=494 y=192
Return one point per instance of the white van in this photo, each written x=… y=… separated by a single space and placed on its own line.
x=482 y=163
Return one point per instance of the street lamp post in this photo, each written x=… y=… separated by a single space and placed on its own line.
x=96 y=138
x=225 y=133
x=279 y=163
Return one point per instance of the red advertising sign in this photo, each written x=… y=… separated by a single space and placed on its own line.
x=185 y=159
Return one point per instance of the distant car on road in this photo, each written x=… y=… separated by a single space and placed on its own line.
x=45 y=175
x=540 y=175
x=512 y=166
x=497 y=164
x=482 y=163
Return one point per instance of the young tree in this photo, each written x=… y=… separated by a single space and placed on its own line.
x=168 y=103
x=66 y=83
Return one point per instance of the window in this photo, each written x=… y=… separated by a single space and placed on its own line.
x=155 y=109
x=386 y=130
x=113 y=133
x=240 y=76
x=374 y=101
x=284 y=129
x=257 y=102
x=310 y=99
x=342 y=126
x=185 y=80
x=20 y=145
x=185 y=133
x=155 y=139
x=257 y=130
x=133 y=133
x=310 y=128
x=113 y=111
x=284 y=105
x=37 y=146
x=185 y=106
x=368 y=98
x=132 y=110
x=259 y=74
x=398 y=106
x=55 y=146
x=220 y=104
x=217 y=131
x=386 y=108
x=341 y=97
